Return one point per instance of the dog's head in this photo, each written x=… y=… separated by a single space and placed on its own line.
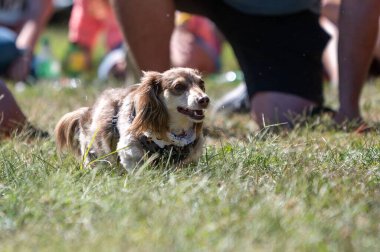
x=176 y=96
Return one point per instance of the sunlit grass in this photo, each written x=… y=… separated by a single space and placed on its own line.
x=311 y=189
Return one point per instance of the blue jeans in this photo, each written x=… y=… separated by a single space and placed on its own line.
x=8 y=51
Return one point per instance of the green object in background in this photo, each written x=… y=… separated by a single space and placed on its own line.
x=228 y=77
x=47 y=67
x=74 y=63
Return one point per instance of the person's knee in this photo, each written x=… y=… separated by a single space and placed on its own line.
x=269 y=108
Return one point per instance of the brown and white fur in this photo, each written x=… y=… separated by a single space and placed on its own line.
x=168 y=108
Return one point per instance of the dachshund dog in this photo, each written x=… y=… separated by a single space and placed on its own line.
x=162 y=116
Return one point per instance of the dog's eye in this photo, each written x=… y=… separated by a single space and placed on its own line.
x=180 y=87
x=202 y=85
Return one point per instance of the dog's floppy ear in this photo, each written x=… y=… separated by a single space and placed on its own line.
x=151 y=113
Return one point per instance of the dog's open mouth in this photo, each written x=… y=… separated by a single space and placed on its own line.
x=196 y=114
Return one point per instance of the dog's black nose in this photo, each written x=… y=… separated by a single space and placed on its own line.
x=204 y=101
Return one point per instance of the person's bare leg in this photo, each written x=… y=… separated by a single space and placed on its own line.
x=329 y=22
x=186 y=52
x=11 y=116
x=330 y=10
x=330 y=57
x=377 y=46
x=147 y=26
x=358 y=25
x=274 y=107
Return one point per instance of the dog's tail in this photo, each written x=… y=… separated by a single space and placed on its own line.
x=67 y=129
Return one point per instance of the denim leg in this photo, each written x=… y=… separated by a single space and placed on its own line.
x=8 y=52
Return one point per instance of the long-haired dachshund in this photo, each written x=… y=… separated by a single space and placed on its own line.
x=162 y=115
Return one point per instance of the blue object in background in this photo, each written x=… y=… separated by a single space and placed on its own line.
x=8 y=50
x=62 y=4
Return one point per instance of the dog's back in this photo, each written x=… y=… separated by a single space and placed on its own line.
x=102 y=127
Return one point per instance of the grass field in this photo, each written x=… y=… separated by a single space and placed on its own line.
x=311 y=189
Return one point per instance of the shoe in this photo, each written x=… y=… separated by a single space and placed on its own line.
x=358 y=127
x=320 y=110
x=29 y=132
x=236 y=101
x=113 y=65
x=364 y=128
x=34 y=133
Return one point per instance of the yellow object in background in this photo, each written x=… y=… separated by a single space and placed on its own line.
x=182 y=17
x=75 y=61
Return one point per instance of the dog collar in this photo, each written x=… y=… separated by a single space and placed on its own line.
x=177 y=148
x=114 y=129
x=181 y=140
x=173 y=152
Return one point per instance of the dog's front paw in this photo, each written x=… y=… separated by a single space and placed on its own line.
x=128 y=164
x=130 y=154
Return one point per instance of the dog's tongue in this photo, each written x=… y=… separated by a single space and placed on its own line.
x=198 y=112
x=195 y=114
